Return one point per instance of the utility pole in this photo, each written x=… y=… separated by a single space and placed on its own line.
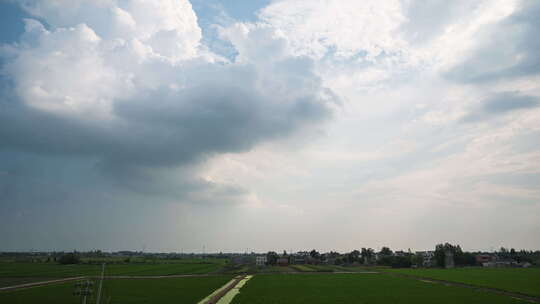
x=83 y=290
x=86 y=293
x=98 y=298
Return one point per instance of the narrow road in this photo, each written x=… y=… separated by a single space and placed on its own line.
x=42 y=283
x=218 y=294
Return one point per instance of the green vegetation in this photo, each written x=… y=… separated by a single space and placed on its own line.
x=13 y=273
x=69 y=258
x=523 y=280
x=302 y=268
x=53 y=270
x=170 y=290
x=5 y=282
x=324 y=268
x=357 y=288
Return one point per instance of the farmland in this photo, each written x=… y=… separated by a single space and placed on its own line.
x=293 y=284
x=169 y=290
x=143 y=282
x=356 y=288
x=526 y=281
x=56 y=270
x=12 y=273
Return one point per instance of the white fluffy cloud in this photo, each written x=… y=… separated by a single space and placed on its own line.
x=168 y=27
x=344 y=28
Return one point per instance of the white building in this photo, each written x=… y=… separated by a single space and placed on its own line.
x=260 y=260
x=428 y=256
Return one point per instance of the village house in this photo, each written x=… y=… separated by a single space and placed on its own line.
x=261 y=260
x=483 y=258
x=298 y=259
x=284 y=261
x=428 y=257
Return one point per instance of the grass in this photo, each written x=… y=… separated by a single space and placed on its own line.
x=170 y=290
x=302 y=268
x=305 y=268
x=522 y=280
x=314 y=268
x=357 y=288
x=53 y=270
x=5 y=282
x=20 y=273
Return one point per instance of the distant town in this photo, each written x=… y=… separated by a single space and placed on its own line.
x=443 y=256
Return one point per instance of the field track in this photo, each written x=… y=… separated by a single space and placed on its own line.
x=42 y=283
x=517 y=295
x=49 y=282
x=222 y=292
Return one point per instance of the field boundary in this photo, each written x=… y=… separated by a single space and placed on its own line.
x=215 y=296
x=513 y=294
x=64 y=280
x=229 y=296
x=40 y=283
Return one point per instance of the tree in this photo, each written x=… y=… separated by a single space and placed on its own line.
x=314 y=254
x=401 y=262
x=385 y=251
x=458 y=255
x=333 y=254
x=367 y=254
x=69 y=258
x=271 y=258
x=440 y=253
x=417 y=259
x=355 y=255
x=466 y=259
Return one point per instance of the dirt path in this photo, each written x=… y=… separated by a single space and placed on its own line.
x=517 y=295
x=63 y=280
x=42 y=283
x=218 y=294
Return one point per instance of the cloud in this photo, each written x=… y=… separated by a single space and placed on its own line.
x=506 y=50
x=116 y=111
x=127 y=85
x=500 y=104
x=168 y=27
x=428 y=20
x=344 y=28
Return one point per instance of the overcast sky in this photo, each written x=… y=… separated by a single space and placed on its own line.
x=269 y=125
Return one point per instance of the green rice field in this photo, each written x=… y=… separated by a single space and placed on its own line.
x=357 y=288
x=20 y=273
x=522 y=280
x=169 y=290
x=274 y=284
x=56 y=270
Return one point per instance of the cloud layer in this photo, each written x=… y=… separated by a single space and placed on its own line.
x=318 y=117
x=129 y=85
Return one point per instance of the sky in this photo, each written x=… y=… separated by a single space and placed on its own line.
x=173 y=126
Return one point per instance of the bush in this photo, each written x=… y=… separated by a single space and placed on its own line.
x=401 y=262
x=69 y=258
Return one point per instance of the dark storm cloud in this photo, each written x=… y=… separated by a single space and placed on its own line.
x=164 y=128
x=500 y=104
x=509 y=49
